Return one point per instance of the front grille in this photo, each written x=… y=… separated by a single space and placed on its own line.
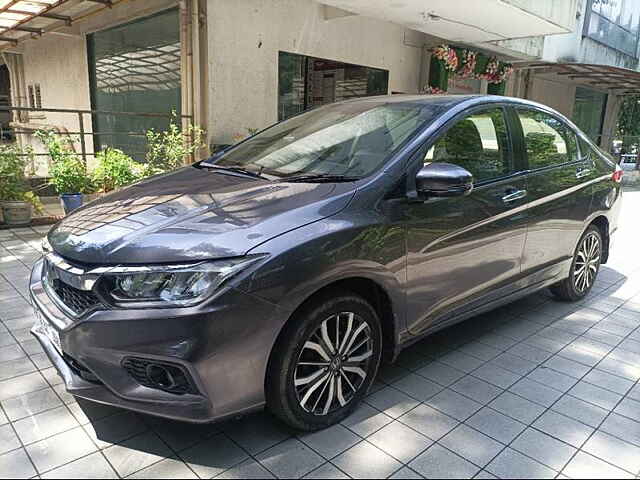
x=140 y=370
x=78 y=301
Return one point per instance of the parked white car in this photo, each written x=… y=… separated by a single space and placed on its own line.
x=629 y=162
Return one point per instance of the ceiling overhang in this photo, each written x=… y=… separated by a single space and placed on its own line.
x=467 y=21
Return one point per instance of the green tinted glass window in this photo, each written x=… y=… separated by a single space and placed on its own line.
x=548 y=141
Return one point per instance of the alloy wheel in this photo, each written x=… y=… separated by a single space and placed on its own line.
x=587 y=263
x=333 y=364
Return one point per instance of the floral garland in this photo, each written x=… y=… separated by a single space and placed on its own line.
x=465 y=64
x=447 y=55
x=429 y=90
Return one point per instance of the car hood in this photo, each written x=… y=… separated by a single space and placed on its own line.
x=192 y=214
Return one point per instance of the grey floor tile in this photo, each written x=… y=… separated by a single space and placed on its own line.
x=454 y=405
x=391 y=402
x=45 y=424
x=290 y=459
x=167 y=468
x=595 y=395
x=60 y=449
x=585 y=466
x=480 y=350
x=406 y=473
x=568 y=367
x=91 y=466
x=496 y=425
x=608 y=381
x=245 y=470
x=366 y=420
x=629 y=408
x=472 y=445
x=553 y=379
x=529 y=352
x=461 y=361
x=213 y=456
x=11 y=352
x=485 y=475
x=16 y=464
x=441 y=373
x=136 y=453
x=577 y=409
x=476 y=389
x=512 y=464
x=564 y=428
x=115 y=429
x=544 y=449
x=400 y=441
x=496 y=375
x=418 y=387
x=31 y=403
x=536 y=392
x=364 y=460
x=438 y=462
x=331 y=441
x=329 y=471
x=256 y=433
x=20 y=385
x=8 y=439
x=180 y=435
x=620 y=369
x=515 y=364
x=614 y=451
x=86 y=412
x=517 y=407
x=623 y=428
x=3 y=418
x=429 y=422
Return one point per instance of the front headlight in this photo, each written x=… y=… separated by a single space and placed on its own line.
x=169 y=286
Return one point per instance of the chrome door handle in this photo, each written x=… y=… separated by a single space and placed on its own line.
x=513 y=196
x=583 y=172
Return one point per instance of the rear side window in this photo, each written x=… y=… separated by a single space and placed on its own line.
x=478 y=143
x=548 y=140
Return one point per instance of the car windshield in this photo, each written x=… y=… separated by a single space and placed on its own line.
x=349 y=140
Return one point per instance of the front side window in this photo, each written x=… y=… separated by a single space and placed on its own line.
x=548 y=141
x=350 y=139
x=479 y=143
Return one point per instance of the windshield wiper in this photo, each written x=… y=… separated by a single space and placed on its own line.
x=321 y=177
x=235 y=169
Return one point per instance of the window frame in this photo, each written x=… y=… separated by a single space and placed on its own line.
x=516 y=166
x=523 y=143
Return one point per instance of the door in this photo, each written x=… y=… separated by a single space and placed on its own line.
x=460 y=250
x=558 y=195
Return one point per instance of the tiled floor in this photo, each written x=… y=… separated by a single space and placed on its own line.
x=536 y=389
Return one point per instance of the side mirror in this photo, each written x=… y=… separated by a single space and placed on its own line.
x=444 y=180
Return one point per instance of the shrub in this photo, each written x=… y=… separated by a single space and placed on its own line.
x=116 y=169
x=167 y=150
x=68 y=173
x=14 y=186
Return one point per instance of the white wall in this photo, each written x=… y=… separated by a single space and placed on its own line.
x=245 y=37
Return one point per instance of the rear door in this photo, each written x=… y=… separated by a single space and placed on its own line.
x=558 y=196
x=461 y=250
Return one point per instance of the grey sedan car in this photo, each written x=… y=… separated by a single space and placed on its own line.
x=285 y=269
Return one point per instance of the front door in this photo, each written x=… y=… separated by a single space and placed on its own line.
x=462 y=249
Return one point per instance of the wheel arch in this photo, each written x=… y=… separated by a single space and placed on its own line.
x=601 y=222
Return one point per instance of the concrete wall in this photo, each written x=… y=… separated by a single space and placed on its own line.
x=245 y=37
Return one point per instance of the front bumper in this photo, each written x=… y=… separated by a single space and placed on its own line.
x=224 y=348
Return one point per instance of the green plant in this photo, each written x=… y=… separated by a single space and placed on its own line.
x=167 y=150
x=116 y=169
x=68 y=173
x=14 y=186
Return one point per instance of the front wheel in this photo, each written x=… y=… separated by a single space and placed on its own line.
x=325 y=362
x=584 y=268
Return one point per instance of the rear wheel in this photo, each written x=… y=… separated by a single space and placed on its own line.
x=584 y=269
x=325 y=362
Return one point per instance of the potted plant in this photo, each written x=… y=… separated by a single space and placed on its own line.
x=18 y=201
x=68 y=173
x=115 y=170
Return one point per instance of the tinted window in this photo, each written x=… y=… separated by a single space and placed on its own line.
x=478 y=143
x=548 y=140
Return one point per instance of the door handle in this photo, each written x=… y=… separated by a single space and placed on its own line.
x=583 y=172
x=513 y=196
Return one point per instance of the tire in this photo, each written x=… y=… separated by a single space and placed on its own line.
x=302 y=354
x=588 y=255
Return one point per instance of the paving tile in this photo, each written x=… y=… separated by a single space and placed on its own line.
x=564 y=428
x=512 y=464
x=400 y=441
x=366 y=420
x=45 y=424
x=568 y=367
x=614 y=451
x=620 y=369
x=476 y=389
x=472 y=445
x=496 y=375
x=391 y=373
x=461 y=361
x=31 y=403
x=289 y=459
x=247 y=469
x=391 y=402
x=496 y=425
x=438 y=462
x=530 y=353
x=608 y=381
x=11 y=352
x=406 y=473
x=623 y=428
x=256 y=433
x=114 y=429
x=16 y=464
x=553 y=379
x=167 y=468
x=87 y=412
x=629 y=408
x=136 y=453
x=595 y=395
x=485 y=475
x=3 y=418
x=585 y=466
x=331 y=441
x=517 y=407
x=364 y=460
x=328 y=470
x=441 y=373
x=180 y=435
x=91 y=466
x=429 y=421
x=418 y=387
x=8 y=439
x=480 y=350
x=213 y=456
x=454 y=405
x=577 y=409
x=60 y=449
x=536 y=392
x=512 y=363
x=21 y=385
x=544 y=449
